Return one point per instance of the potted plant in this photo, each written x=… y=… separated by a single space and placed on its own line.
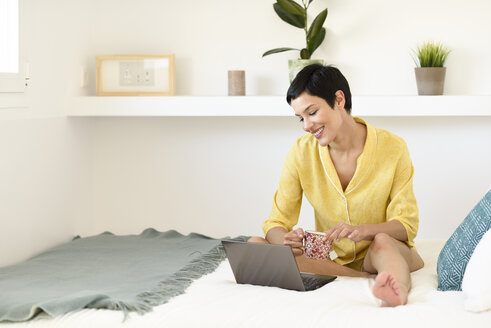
x=429 y=70
x=296 y=15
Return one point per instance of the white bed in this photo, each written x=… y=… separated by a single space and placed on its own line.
x=216 y=300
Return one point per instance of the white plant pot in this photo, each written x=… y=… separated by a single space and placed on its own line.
x=296 y=65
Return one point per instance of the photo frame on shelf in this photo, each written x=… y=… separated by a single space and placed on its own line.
x=135 y=75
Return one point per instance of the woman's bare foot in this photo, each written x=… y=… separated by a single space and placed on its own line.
x=388 y=290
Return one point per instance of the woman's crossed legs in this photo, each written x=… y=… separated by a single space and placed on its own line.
x=391 y=259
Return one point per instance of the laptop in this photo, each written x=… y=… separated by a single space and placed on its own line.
x=269 y=265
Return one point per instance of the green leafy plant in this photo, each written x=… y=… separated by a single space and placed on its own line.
x=431 y=54
x=294 y=14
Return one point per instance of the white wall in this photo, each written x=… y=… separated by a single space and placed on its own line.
x=43 y=185
x=218 y=175
x=45 y=161
x=370 y=41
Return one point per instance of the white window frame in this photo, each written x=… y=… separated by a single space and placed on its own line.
x=16 y=82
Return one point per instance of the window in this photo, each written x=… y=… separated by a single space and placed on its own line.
x=9 y=36
x=11 y=69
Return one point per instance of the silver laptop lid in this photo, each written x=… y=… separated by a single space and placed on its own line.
x=263 y=264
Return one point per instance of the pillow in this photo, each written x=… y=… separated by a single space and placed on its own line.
x=476 y=284
x=457 y=251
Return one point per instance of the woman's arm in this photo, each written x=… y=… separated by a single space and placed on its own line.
x=276 y=235
x=393 y=228
x=294 y=238
x=287 y=202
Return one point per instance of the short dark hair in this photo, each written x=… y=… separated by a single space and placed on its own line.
x=321 y=81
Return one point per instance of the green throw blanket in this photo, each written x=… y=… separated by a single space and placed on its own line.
x=129 y=273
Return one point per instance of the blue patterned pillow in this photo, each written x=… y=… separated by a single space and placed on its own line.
x=459 y=248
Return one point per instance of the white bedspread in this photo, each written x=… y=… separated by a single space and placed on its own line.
x=216 y=300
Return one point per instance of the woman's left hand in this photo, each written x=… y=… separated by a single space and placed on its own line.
x=344 y=230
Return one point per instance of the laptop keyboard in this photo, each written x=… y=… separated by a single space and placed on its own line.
x=312 y=282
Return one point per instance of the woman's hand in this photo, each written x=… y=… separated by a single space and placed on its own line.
x=344 y=230
x=294 y=239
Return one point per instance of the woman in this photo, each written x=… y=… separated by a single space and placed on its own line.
x=359 y=181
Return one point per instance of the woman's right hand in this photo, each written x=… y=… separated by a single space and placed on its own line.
x=294 y=239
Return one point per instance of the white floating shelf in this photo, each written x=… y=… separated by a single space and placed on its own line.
x=381 y=106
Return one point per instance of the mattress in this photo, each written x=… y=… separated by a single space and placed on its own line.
x=215 y=300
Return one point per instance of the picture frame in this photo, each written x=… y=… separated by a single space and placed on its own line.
x=135 y=75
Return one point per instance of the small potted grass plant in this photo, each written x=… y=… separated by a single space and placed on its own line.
x=430 y=72
x=296 y=15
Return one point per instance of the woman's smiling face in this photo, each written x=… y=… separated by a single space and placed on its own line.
x=317 y=117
